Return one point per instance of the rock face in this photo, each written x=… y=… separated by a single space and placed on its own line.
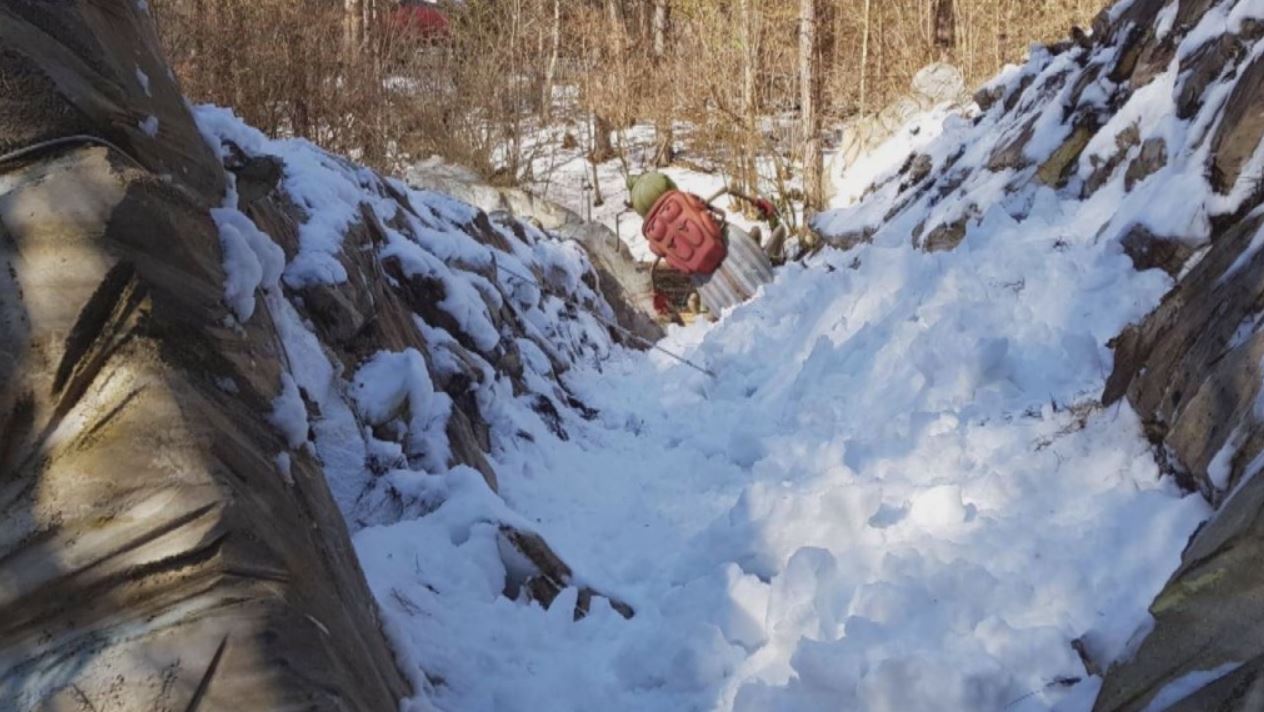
x=152 y=557
x=173 y=521
x=1146 y=133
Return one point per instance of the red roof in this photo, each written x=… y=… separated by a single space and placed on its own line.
x=423 y=20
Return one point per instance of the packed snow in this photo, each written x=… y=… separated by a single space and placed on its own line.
x=895 y=495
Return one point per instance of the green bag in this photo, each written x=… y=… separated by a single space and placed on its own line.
x=646 y=189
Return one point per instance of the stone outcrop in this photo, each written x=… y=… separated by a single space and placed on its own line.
x=151 y=555
x=1193 y=371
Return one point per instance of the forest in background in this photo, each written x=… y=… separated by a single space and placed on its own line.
x=741 y=79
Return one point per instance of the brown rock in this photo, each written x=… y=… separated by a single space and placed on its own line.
x=1054 y=171
x=1240 y=130
x=947 y=236
x=1203 y=67
x=153 y=554
x=1148 y=251
x=1153 y=157
x=1192 y=371
x=547 y=574
x=1011 y=155
x=1104 y=170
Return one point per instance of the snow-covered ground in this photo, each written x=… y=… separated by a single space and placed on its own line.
x=896 y=495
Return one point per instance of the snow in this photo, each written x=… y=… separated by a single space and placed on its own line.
x=1221 y=466
x=149 y=125
x=252 y=260
x=391 y=382
x=565 y=176
x=284 y=465
x=143 y=80
x=845 y=518
x=885 y=501
x=898 y=493
x=1166 y=19
x=289 y=414
x=851 y=181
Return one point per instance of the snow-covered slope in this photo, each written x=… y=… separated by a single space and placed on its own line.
x=492 y=312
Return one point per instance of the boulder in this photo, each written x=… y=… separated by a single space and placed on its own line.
x=1103 y=171
x=947 y=236
x=1202 y=68
x=1149 y=251
x=940 y=82
x=1056 y=169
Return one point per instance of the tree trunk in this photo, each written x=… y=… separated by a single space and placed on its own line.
x=665 y=150
x=810 y=109
x=662 y=21
x=615 y=10
x=603 y=148
x=199 y=34
x=945 y=27
x=353 y=26
x=748 y=173
x=550 y=73
x=864 y=58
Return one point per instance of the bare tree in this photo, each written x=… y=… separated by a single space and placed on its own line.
x=353 y=28
x=749 y=171
x=603 y=148
x=550 y=72
x=946 y=26
x=721 y=67
x=864 y=55
x=810 y=82
x=662 y=25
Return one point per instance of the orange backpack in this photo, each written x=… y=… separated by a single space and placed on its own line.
x=682 y=230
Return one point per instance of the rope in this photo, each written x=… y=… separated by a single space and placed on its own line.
x=613 y=325
x=64 y=141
